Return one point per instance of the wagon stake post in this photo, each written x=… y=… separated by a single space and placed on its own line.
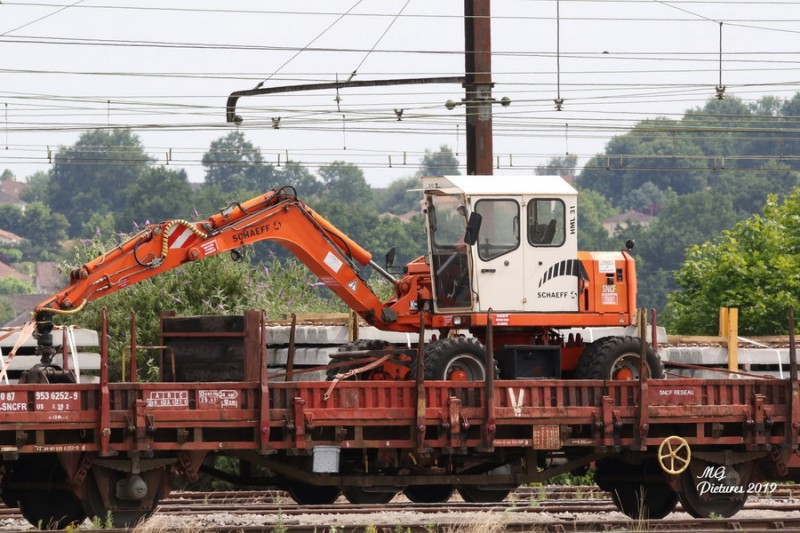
x=644 y=421
x=795 y=405
x=420 y=385
x=489 y=426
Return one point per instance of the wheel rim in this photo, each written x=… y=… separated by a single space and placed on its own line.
x=700 y=502
x=626 y=367
x=464 y=367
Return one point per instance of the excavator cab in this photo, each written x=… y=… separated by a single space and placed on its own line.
x=523 y=257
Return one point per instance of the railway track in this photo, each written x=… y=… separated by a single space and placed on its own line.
x=546 y=509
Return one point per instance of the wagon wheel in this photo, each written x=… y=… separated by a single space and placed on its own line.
x=428 y=493
x=102 y=500
x=640 y=491
x=477 y=494
x=487 y=493
x=674 y=455
x=306 y=494
x=46 y=507
x=700 y=500
x=366 y=496
x=652 y=502
x=50 y=509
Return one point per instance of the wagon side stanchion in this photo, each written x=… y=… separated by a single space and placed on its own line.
x=795 y=386
x=489 y=425
x=105 y=396
x=420 y=422
x=263 y=411
x=644 y=421
x=291 y=350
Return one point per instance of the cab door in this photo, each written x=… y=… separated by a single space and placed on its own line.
x=553 y=272
x=498 y=255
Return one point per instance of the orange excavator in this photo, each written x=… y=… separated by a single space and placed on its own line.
x=502 y=251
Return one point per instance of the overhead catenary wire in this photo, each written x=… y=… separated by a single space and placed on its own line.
x=592 y=91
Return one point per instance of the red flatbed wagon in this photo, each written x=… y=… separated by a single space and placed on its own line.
x=79 y=449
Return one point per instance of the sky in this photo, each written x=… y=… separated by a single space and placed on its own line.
x=165 y=69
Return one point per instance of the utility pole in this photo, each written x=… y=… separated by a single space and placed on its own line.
x=478 y=86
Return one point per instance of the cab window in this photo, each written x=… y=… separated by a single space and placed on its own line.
x=546 y=222
x=499 y=229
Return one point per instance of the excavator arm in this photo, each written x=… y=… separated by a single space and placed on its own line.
x=277 y=215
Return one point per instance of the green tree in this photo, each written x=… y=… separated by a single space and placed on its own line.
x=234 y=164
x=37 y=189
x=7 y=175
x=11 y=218
x=441 y=163
x=296 y=175
x=657 y=151
x=593 y=208
x=43 y=231
x=753 y=267
x=400 y=197
x=9 y=285
x=93 y=174
x=660 y=248
x=345 y=182
x=559 y=166
x=157 y=194
x=646 y=199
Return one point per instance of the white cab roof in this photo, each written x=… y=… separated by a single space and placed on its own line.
x=494 y=185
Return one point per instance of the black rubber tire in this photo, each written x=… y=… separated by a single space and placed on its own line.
x=444 y=356
x=358 y=345
x=428 y=493
x=602 y=358
x=360 y=495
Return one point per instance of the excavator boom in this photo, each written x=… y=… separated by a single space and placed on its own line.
x=277 y=215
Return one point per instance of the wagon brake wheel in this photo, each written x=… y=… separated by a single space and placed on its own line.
x=674 y=455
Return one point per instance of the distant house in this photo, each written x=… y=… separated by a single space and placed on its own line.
x=12 y=189
x=6 y=198
x=623 y=220
x=7 y=271
x=48 y=277
x=6 y=237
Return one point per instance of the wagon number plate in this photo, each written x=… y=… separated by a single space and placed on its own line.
x=57 y=400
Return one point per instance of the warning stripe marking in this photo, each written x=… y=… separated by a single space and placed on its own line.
x=181 y=238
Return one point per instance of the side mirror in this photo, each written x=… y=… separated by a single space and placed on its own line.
x=473 y=228
x=390 y=255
